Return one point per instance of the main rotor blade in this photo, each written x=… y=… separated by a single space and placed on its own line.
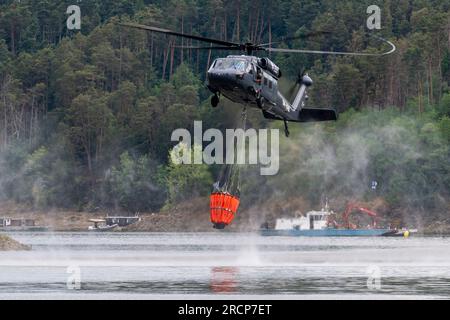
x=302 y=36
x=393 y=49
x=173 y=33
x=208 y=48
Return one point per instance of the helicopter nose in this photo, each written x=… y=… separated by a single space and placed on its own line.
x=220 y=77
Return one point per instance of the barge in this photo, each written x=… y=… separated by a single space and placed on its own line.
x=322 y=224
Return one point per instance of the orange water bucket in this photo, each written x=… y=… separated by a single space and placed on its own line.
x=223 y=207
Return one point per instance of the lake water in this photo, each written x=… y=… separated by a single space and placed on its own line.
x=223 y=266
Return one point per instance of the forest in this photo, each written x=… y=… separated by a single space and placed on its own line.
x=86 y=115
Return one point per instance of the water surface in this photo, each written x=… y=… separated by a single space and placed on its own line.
x=223 y=266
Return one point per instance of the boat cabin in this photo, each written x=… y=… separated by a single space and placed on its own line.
x=314 y=220
x=121 y=221
x=10 y=222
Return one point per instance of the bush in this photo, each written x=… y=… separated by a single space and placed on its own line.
x=185 y=181
x=135 y=184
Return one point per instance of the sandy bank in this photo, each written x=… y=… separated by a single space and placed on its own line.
x=9 y=244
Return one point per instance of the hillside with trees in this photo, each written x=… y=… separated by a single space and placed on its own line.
x=86 y=116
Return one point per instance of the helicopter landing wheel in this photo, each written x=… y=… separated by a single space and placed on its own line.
x=215 y=101
x=260 y=102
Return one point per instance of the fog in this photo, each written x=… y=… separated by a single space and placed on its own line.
x=401 y=154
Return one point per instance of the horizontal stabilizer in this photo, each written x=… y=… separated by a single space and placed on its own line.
x=315 y=115
x=305 y=115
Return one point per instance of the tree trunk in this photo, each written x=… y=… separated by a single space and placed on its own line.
x=238 y=23
x=209 y=51
x=198 y=61
x=420 y=94
x=172 y=55
x=261 y=29
x=270 y=36
x=5 y=121
x=182 y=40
x=166 y=59
x=440 y=69
x=30 y=141
x=448 y=30
x=225 y=27
x=13 y=39
x=430 y=83
x=151 y=49
x=121 y=60
x=190 y=44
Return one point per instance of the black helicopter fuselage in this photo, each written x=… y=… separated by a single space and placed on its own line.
x=253 y=81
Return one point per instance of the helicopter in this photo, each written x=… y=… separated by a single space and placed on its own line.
x=253 y=81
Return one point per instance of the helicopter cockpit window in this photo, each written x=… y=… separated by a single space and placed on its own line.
x=218 y=64
x=240 y=65
x=237 y=64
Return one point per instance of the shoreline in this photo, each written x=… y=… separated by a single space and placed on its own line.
x=11 y=233
x=189 y=217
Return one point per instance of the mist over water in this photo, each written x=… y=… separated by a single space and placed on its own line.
x=392 y=163
x=223 y=265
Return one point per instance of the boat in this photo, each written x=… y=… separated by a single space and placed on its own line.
x=20 y=224
x=100 y=225
x=322 y=224
x=405 y=233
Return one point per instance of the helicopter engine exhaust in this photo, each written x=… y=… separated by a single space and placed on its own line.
x=269 y=66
